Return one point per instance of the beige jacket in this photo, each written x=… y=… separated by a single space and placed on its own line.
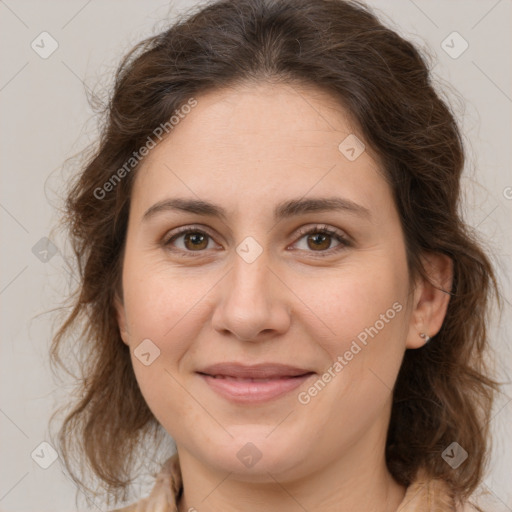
x=422 y=495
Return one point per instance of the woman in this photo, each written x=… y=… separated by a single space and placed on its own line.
x=275 y=274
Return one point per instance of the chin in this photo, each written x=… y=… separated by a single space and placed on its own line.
x=252 y=454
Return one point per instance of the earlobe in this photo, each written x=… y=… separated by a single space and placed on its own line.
x=431 y=298
x=121 y=319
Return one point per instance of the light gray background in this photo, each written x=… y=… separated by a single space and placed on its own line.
x=46 y=119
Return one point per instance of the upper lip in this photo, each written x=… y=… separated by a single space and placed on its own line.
x=261 y=371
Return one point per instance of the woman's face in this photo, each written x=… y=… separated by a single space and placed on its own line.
x=251 y=287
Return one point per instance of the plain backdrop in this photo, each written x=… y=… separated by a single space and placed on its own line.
x=46 y=119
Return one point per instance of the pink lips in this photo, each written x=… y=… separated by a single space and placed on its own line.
x=255 y=383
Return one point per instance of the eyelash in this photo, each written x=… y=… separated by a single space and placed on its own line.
x=323 y=229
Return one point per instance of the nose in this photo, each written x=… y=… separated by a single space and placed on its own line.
x=254 y=304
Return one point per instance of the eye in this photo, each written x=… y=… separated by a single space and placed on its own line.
x=192 y=240
x=320 y=238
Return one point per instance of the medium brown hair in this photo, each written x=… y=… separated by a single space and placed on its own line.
x=444 y=391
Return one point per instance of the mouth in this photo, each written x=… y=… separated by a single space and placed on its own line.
x=253 y=384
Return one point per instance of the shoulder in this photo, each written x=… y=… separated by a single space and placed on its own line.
x=165 y=493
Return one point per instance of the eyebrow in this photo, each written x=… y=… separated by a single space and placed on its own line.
x=283 y=210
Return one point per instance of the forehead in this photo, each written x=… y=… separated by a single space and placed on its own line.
x=256 y=142
x=274 y=113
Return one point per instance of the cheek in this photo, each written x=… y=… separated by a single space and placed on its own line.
x=164 y=306
x=166 y=309
x=362 y=312
x=159 y=300
x=356 y=300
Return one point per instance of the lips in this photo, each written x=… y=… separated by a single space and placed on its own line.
x=253 y=384
x=263 y=371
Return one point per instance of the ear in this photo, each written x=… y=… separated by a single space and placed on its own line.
x=121 y=318
x=430 y=299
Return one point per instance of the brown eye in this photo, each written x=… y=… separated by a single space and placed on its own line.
x=319 y=239
x=188 y=240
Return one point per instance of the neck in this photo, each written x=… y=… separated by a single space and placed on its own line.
x=358 y=481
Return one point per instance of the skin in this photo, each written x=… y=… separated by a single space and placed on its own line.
x=248 y=149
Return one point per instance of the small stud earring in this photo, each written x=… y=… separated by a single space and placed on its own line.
x=426 y=337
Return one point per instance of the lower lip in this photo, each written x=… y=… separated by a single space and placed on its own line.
x=251 y=392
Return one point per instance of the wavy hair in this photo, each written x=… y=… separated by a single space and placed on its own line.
x=444 y=390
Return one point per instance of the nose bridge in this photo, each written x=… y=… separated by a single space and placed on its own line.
x=251 y=302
